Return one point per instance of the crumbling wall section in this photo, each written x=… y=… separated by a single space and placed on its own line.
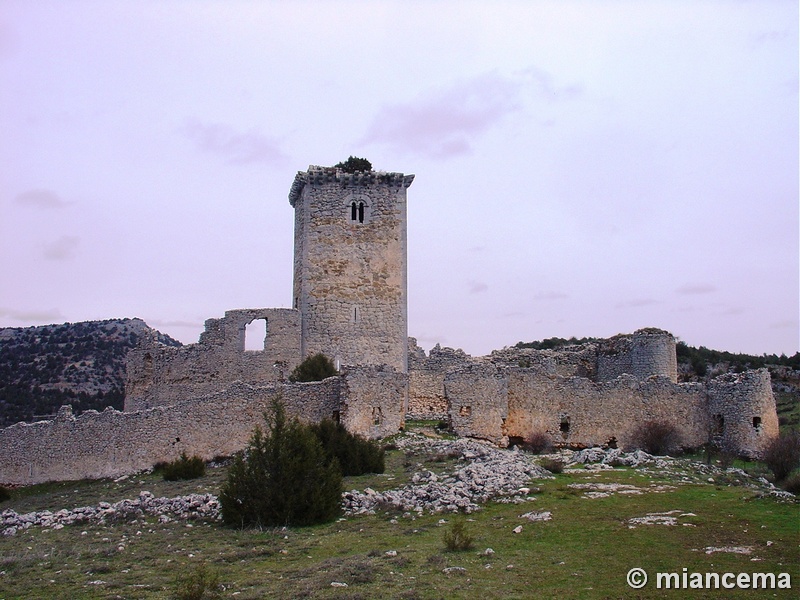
x=568 y=361
x=574 y=411
x=645 y=353
x=159 y=375
x=113 y=443
x=374 y=401
x=743 y=415
x=426 y=398
x=477 y=396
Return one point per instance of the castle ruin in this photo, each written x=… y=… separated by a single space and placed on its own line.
x=350 y=303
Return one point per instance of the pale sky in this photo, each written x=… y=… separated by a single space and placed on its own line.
x=582 y=168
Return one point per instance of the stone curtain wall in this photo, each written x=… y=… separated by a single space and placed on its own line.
x=374 y=401
x=350 y=275
x=569 y=361
x=426 y=399
x=576 y=411
x=478 y=401
x=369 y=402
x=113 y=443
x=159 y=375
x=742 y=410
x=510 y=404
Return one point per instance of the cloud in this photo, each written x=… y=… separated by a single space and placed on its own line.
x=64 y=248
x=443 y=123
x=544 y=86
x=477 y=287
x=40 y=198
x=52 y=315
x=696 y=288
x=234 y=147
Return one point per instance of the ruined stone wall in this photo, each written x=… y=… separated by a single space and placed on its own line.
x=568 y=361
x=426 y=399
x=478 y=401
x=510 y=404
x=113 y=443
x=742 y=411
x=350 y=266
x=645 y=353
x=576 y=411
x=159 y=375
x=374 y=401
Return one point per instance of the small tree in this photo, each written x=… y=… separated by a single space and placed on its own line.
x=457 y=538
x=782 y=454
x=354 y=454
x=313 y=368
x=283 y=477
x=353 y=164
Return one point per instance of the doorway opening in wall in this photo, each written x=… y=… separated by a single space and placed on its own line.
x=564 y=426
x=255 y=335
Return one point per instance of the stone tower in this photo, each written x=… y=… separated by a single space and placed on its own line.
x=350 y=265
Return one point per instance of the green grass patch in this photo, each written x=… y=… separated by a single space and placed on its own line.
x=584 y=551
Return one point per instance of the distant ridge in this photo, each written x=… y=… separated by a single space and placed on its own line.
x=82 y=364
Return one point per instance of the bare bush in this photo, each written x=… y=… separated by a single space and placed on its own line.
x=782 y=454
x=537 y=442
x=656 y=437
x=554 y=465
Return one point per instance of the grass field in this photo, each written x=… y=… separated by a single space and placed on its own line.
x=584 y=551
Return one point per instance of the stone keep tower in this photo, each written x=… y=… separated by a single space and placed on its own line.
x=350 y=265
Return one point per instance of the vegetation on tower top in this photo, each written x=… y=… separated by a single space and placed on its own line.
x=354 y=164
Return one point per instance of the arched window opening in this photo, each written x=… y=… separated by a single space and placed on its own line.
x=360 y=212
x=353 y=211
x=255 y=335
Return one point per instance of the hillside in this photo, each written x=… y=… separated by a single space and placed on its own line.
x=82 y=364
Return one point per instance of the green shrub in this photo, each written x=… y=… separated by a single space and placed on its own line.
x=283 y=477
x=353 y=164
x=656 y=437
x=182 y=468
x=5 y=494
x=782 y=454
x=354 y=454
x=456 y=537
x=313 y=368
x=201 y=583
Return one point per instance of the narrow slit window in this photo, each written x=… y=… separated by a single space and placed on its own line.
x=360 y=212
x=353 y=211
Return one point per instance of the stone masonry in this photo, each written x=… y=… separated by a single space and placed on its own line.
x=595 y=394
x=350 y=303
